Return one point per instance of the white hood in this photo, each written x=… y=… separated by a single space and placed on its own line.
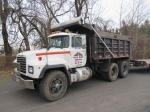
x=26 y=53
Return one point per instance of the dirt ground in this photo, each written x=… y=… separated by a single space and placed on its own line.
x=6 y=68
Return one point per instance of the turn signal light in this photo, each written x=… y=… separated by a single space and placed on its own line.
x=55 y=32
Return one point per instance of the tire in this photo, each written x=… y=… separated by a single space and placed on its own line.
x=112 y=75
x=54 y=85
x=123 y=69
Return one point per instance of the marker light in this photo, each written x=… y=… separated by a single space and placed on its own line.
x=39 y=58
x=53 y=32
x=66 y=31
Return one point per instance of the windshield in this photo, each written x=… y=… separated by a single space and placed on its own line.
x=61 y=41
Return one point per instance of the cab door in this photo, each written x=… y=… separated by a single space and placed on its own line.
x=78 y=51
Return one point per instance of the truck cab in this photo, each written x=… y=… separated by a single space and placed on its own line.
x=70 y=46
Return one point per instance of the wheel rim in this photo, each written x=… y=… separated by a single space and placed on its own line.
x=124 y=68
x=55 y=86
x=113 y=72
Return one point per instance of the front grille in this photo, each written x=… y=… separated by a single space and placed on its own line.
x=22 y=61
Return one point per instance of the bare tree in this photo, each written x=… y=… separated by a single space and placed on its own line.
x=82 y=7
x=42 y=13
x=4 y=12
x=79 y=4
x=124 y=28
x=123 y=10
x=103 y=25
x=137 y=14
x=23 y=25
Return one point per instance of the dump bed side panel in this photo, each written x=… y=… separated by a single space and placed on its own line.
x=119 y=47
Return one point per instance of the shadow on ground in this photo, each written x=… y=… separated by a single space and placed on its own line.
x=139 y=70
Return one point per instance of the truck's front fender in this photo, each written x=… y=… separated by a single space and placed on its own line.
x=51 y=67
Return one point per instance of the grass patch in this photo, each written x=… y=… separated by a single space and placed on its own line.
x=5 y=76
x=2 y=54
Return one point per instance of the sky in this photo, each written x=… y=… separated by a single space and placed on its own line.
x=112 y=8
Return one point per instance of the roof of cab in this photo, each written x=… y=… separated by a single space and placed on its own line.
x=62 y=33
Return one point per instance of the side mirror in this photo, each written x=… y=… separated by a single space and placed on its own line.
x=83 y=41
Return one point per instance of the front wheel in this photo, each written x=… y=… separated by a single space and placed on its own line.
x=54 y=85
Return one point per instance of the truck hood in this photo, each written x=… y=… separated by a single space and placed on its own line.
x=54 y=56
x=26 y=53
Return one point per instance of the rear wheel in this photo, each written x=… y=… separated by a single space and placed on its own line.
x=123 y=69
x=112 y=75
x=54 y=85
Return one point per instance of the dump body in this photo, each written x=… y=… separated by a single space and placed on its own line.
x=119 y=45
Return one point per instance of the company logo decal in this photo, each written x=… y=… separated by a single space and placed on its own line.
x=78 y=58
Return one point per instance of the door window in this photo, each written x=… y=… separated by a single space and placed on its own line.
x=76 y=41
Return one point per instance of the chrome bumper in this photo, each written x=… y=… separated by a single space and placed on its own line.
x=16 y=78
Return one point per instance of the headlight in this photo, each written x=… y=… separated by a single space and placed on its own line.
x=30 y=69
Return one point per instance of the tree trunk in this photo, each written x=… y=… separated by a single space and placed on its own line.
x=4 y=11
x=27 y=44
x=7 y=47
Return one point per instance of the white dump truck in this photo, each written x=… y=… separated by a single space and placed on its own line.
x=75 y=53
